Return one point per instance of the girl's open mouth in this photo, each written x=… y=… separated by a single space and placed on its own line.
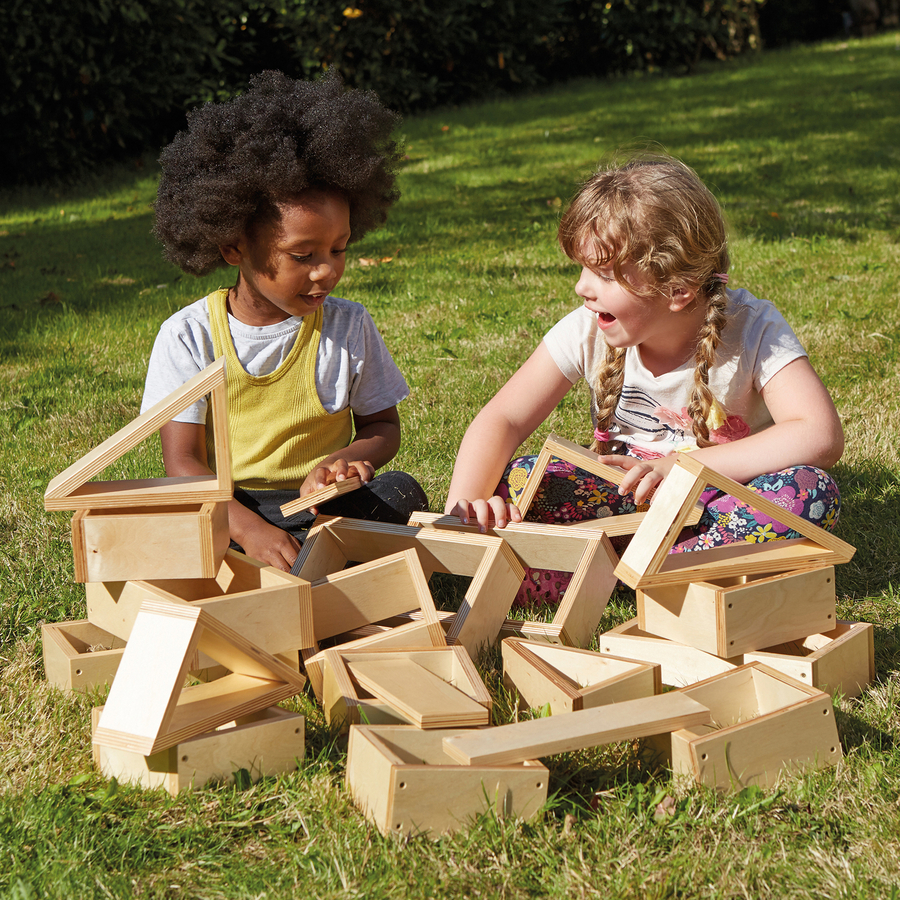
x=604 y=319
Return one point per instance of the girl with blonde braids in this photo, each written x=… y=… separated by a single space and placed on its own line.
x=675 y=361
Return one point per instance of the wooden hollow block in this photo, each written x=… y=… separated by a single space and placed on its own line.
x=72 y=488
x=763 y=723
x=534 y=738
x=731 y=616
x=270 y=608
x=404 y=782
x=371 y=592
x=588 y=555
x=680 y=665
x=839 y=661
x=265 y=743
x=412 y=634
x=79 y=656
x=585 y=459
x=322 y=495
x=647 y=562
x=438 y=687
x=569 y=679
x=187 y=541
x=495 y=571
x=148 y=709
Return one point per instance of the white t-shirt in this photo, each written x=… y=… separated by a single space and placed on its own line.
x=353 y=368
x=652 y=411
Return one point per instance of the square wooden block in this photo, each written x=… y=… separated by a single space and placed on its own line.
x=840 y=661
x=271 y=608
x=764 y=723
x=432 y=687
x=404 y=782
x=731 y=616
x=138 y=543
x=79 y=656
x=265 y=743
x=570 y=679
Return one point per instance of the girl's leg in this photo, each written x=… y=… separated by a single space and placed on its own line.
x=805 y=491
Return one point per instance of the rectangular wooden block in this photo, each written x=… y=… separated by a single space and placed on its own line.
x=440 y=687
x=680 y=664
x=79 y=656
x=731 y=616
x=569 y=679
x=404 y=782
x=418 y=634
x=270 y=608
x=534 y=738
x=265 y=743
x=763 y=723
x=143 y=543
x=840 y=661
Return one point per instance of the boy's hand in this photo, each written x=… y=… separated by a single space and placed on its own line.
x=338 y=470
x=269 y=544
x=483 y=511
x=643 y=475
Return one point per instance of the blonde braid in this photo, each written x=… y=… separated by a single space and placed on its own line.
x=607 y=380
x=701 y=400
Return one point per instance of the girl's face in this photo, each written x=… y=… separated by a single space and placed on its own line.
x=664 y=326
x=625 y=319
x=288 y=267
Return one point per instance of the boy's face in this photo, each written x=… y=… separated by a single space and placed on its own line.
x=288 y=267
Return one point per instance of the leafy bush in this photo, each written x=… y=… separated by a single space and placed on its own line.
x=790 y=21
x=90 y=78
x=613 y=36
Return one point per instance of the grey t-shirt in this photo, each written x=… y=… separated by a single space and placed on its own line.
x=353 y=368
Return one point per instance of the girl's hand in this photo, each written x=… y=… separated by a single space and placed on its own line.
x=483 y=511
x=643 y=475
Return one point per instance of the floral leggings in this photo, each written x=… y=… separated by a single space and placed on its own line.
x=568 y=494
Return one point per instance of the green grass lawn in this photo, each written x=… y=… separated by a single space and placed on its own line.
x=803 y=149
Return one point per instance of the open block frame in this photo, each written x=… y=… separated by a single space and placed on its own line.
x=496 y=572
x=647 y=562
x=588 y=555
x=72 y=488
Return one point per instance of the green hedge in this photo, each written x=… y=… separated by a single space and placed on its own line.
x=89 y=79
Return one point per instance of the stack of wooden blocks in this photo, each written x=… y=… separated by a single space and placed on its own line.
x=167 y=599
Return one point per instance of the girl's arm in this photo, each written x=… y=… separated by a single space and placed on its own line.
x=376 y=442
x=184 y=453
x=508 y=419
x=806 y=431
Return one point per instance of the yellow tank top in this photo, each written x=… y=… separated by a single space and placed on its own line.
x=278 y=427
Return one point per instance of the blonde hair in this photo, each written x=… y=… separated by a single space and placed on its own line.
x=655 y=213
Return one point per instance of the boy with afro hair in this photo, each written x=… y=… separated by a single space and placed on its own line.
x=277 y=182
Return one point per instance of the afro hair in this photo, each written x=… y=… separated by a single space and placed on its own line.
x=238 y=159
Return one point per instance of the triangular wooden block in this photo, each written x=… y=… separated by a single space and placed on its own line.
x=647 y=562
x=148 y=708
x=582 y=458
x=72 y=489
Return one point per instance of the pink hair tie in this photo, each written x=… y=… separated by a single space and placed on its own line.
x=601 y=436
x=722 y=276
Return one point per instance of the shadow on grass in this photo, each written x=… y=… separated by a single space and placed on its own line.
x=870 y=521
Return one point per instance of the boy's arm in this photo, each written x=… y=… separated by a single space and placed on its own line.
x=375 y=444
x=184 y=453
